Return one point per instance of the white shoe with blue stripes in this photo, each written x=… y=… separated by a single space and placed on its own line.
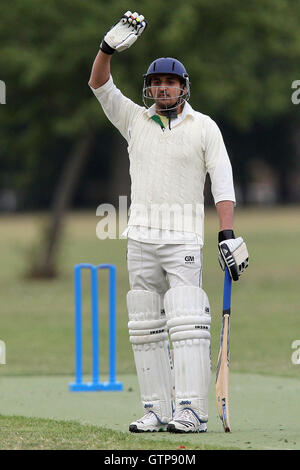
x=148 y=423
x=186 y=421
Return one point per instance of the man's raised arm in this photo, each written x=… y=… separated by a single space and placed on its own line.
x=100 y=70
x=119 y=38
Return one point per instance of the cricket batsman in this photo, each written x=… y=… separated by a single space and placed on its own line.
x=171 y=148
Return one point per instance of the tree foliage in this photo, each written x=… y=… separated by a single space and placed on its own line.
x=241 y=56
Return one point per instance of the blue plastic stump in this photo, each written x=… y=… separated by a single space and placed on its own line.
x=95 y=384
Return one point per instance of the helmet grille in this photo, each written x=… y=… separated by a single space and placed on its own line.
x=166 y=65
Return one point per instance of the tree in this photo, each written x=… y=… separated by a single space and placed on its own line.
x=242 y=58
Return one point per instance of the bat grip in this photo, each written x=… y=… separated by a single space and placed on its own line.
x=227 y=292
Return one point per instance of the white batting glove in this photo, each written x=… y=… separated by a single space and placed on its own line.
x=124 y=33
x=233 y=253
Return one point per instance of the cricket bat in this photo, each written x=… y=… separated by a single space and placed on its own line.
x=222 y=376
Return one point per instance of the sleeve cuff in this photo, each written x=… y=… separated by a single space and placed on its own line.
x=225 y=198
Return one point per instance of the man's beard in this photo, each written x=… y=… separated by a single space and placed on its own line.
x=169 y=104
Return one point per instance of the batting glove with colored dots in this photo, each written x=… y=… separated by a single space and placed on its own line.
x=233 y=253
x=124 y=33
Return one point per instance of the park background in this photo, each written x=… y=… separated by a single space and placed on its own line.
x=60 y=159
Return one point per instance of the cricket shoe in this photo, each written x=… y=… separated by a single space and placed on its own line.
x=186 y=421
x=148 y=423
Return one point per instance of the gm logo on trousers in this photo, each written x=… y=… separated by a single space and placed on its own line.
x=189 y=260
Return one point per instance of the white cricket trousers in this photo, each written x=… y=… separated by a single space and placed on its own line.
x=157 y=268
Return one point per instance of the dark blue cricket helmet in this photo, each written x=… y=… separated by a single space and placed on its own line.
x=167 y=65
x=170 y=66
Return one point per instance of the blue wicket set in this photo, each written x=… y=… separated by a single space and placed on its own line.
x=95 y=384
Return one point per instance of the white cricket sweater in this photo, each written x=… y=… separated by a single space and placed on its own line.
x=168 y=167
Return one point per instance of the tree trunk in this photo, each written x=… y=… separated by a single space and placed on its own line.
x=45 y=263
x=294 y=174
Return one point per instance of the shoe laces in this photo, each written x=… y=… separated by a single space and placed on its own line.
x=186 y=415
x=148 y=416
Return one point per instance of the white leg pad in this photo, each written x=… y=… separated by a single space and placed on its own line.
x=188 y=321
x=149 y=338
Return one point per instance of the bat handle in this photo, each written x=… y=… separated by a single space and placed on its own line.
x=227 y=292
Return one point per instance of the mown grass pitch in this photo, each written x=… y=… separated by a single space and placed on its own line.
x=22 y=433
x=263 y=412
x=36 y=319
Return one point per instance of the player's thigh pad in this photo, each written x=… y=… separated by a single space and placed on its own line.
x=188 y=321
x=149 y=338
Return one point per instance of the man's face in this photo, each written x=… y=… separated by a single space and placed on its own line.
x=165 y=89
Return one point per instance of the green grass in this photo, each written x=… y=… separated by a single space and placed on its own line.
x=263 y=411
x=265 y=302
x=22 y=433
x=37 y=318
